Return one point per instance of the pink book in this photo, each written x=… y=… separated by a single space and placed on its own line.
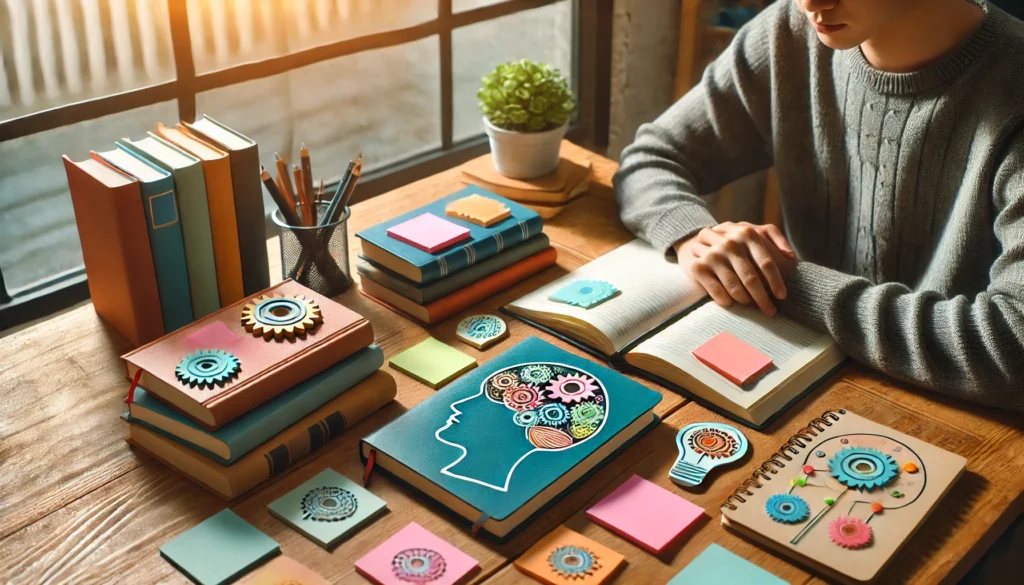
x=428 y=232
x=737 y=361
x=415 y=555
x=647 y=514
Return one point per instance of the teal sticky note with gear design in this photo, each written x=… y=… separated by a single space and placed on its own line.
x=585 y=293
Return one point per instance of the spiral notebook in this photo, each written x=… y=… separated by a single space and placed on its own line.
x=843 y=495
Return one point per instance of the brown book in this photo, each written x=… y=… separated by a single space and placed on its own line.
x=213 y=389
x=115 y=247
x=280 y=453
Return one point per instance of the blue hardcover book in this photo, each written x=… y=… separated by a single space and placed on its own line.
x=229 y=443
x=506 y=440
x=165 y=239
x=483 y=242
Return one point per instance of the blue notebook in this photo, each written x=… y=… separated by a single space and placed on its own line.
x=484 y=242
x=509 y=438
x=165 y=238
x=230 y=442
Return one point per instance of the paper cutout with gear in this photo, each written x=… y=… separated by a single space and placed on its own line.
x=477 y=209
x=557 y=406
x=703 y=447
x=585 y=293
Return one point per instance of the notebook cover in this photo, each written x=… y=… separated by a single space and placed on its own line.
x=394 y=562
x=645 y=513
x=165 y=240
x=484 y=243
x=221 y=201
x=424 y=294
x=268 y=368
x=718 y=565
x=428 y=232
x=453 y=450
x=252 y=429
x=858 y=463
x=283 y=571
x=190 y=189
x=115 y=248
x=566 y=557
x=219 y=549
x=281 y=453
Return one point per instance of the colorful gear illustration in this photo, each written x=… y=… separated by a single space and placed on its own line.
x=714 y=443
x=521 y=398
x=787 y=508
x=418 y=565
x=573 y=562
x=553 y=414
x=207 y=368
x=485 y=327
x=505 y=380
x=526 y=418
x=863 y=468
x=281 y=316
x=849 y=532
x=536 y=374
x=329 y=504
x=585 y=293
x=572 y=388
x=580 y=432
x=587 y=414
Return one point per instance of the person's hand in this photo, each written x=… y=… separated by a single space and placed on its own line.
x=739 y=262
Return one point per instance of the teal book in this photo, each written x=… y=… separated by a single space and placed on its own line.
x=165 y=237
x=219 y=549
x=422 y=294
x=508 y=439
x=190 y=188
x=240 y=436
x=483 y=242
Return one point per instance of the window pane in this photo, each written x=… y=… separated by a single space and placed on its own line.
x=56 y=53
x=542 y=34
x=38 y=236
x=463 y=5
x=230 y=32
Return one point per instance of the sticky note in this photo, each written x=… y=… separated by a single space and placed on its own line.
x=327 y=508
x=717 y=565
x=219 y=549
x=283 y=570
x=432 y=362
x=428 y=232
x=585 y=293
x=415 y=555
x=647 y=514
x=737 y=361
x=565 y=557
x=482 y=211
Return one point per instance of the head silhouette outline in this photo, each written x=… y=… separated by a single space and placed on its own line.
x=549 y=406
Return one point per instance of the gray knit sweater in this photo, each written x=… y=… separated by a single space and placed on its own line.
x=903 y=194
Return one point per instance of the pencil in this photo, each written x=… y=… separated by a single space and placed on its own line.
x=320 y=193
x=286 y=183
x=287 y=212
x=356 y=173
x=338 y=194
x=307 y=178
x=303 y=196
x=284 y=191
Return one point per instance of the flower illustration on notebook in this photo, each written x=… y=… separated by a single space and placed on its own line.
x=556 y=406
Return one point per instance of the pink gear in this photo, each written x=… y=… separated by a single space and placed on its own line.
x=572 y=388
x=849 y=532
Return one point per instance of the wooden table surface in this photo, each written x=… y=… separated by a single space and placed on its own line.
x=78 y=506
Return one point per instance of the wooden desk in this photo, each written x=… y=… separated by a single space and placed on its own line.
x=78 y=506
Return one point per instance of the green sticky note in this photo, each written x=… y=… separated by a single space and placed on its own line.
x=327 y=508
x=432 y=362
x=717 y=565
x=219 y=549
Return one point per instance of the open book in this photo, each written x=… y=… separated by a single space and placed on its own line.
x=660 y=316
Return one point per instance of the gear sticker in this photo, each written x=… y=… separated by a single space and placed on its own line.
x=207 y=368
x=281 y=316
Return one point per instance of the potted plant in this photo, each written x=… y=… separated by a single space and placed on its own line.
x=526 y=109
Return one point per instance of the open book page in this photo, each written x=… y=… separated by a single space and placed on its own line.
x=790 y=345
x=652 y=290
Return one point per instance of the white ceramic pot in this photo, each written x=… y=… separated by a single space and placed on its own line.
x=525 y=155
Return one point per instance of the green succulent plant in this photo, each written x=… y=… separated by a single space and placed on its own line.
x=523 y=96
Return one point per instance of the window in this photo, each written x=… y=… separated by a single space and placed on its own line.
x=395 y=79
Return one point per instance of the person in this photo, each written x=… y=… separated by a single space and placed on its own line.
x=896 y=130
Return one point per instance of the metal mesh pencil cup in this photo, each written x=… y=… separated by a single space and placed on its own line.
x=316 y=256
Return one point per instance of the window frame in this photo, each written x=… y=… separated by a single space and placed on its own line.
x=591 y=63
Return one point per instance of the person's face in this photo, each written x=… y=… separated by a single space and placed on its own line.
x=844 y=24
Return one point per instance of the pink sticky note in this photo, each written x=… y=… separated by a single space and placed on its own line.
x=216 y=335
x=428 y=232
x=730 y=357
x=647 y=514
x=415 y=555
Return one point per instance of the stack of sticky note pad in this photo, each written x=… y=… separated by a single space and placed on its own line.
x=443 y=257
x=241 y=395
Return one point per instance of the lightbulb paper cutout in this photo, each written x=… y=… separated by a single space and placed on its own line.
x=703 y=447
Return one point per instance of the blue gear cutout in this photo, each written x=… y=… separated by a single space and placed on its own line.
x=526 y=418
x=553 y=414
x=787 y=508
x=573 y=562
x=863 y=468
x=585 y=293
x=207 y=368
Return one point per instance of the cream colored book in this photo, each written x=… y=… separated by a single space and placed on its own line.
x=846 y=494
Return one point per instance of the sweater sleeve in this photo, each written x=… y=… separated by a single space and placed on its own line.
x=717 y=133
x=971 y=348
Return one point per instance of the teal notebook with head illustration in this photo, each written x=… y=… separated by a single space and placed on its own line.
x=509 y=438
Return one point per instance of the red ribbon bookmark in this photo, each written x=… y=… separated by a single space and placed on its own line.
x=131 y=389
x=369 y=467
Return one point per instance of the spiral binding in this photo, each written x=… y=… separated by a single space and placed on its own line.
x=772 y=465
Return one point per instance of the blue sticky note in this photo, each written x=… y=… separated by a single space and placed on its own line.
x=219 y=549
x=717 y=565
x=585 y=293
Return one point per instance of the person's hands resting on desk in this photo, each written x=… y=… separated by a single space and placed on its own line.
x=739 y=262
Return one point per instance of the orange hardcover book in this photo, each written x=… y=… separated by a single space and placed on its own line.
x=227 y=363
x=445 y=307
x=115 y=247
x=220 y=199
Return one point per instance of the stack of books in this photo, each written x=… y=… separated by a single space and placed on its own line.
x=435 y=261
x=548 y=195
x=172 y=226
x=238 y=397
